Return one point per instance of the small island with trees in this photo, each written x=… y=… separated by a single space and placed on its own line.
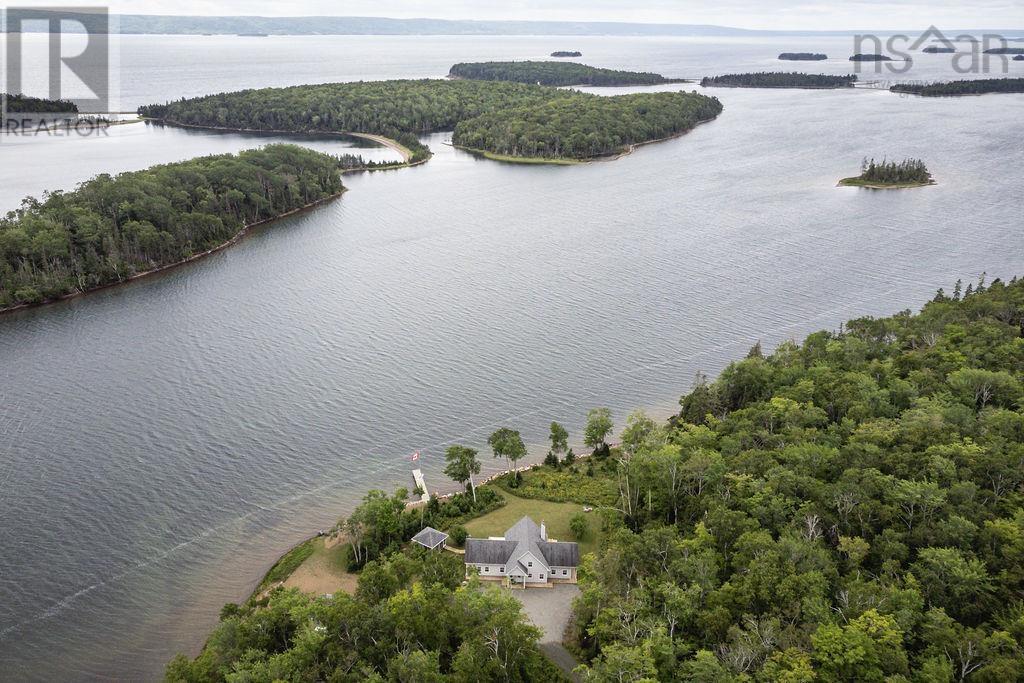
x=779 y=79
x=554 y=74
x=1005 y=51
x=803 y=57
x=566 y=53
x=937 y=50
x=890 y=175
x=1019 y=58
x=977 y=86
x=871 y=57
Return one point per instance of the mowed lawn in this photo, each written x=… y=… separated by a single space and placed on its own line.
x=555 y=515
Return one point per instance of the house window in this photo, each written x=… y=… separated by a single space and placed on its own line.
x=542 y=576
x=529 y=564
x=564 y=572
x=530 y=575
x=502 y=570
x=487 y=569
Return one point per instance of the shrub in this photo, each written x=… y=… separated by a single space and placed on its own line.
x=457 y=535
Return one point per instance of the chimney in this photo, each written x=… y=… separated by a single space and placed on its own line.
x=543 y=531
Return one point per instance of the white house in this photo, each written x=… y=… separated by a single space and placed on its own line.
x=523 y=556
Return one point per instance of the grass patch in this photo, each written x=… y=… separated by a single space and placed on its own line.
x=570 y=485
x=555 y=515
x=289 y=562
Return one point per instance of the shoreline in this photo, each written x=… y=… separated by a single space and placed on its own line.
x=404 y=151
x=160 y=269
x=566 y=161
x=857 y=182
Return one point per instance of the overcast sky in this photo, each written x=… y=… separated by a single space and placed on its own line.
x=756 y=14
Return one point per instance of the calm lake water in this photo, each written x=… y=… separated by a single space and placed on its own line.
x=162 y=443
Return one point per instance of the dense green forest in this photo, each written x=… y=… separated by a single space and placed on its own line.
x=114 y=227
x=849 y=509
x=586 y=126
x=979 y=86
x=503 y=118
x=898 y=173
x=552 y=73
x=21 y=104
x=779 y=79
x=410 y=621
x=803 y=56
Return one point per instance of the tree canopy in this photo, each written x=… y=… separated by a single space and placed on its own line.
x=779 y=79
x=848 y=509
x=510 y=119
x=553 y=73
x=114 y=227
x=978 y=86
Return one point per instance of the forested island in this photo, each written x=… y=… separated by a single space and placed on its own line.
x=1019 y=58
x=979 y=86
x=803 y=57
x=891 y=175
x=554 y=74
x=566 y=53
x=870 y=58
x=511 y=121
x=1005 y=51
x=21 y=104
x=936 y=50
x=114 y=228
x=778 y=79
x=847 y=509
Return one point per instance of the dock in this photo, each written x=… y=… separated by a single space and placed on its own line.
x=421 y=483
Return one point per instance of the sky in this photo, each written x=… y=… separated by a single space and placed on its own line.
x=752 y=14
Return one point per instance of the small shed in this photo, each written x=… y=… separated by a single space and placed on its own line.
x=430 y=538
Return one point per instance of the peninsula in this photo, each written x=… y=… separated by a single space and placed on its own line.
x=890 y=175
x=857 y=494
x=803 y=57
x=116 y=228
x=21 y=104
x=507 y=121
x=779 y=79
x=554 y=74
x=977 y=86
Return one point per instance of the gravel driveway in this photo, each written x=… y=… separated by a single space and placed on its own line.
x=549 y=609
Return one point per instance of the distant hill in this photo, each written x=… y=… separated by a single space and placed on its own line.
x=253 y=25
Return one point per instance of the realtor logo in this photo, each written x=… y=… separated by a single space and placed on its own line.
x=56 y=65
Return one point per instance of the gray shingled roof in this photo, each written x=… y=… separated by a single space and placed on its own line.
x=484 y=551
x=560 y=554
x=430 y=538
x=523 y=537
